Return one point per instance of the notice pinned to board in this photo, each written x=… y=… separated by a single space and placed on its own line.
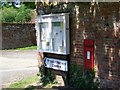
x=62 y=25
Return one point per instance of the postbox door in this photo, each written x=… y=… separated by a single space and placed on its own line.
x=89 y=54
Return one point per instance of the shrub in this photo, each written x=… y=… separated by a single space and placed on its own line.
x=23 y=14
x=11 y=14
x=30 y=4
x=46 y=75
x=82 y=79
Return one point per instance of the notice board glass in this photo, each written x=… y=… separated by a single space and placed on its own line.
x=53 y=33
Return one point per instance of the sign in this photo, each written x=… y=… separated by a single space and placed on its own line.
x=56 y=64
x=88 y=55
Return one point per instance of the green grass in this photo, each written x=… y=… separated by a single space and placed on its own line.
x=27 y=48
x=25 y=82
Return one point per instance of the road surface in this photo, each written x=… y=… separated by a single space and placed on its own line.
x=16 y=65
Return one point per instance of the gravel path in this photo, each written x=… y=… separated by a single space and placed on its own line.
x=16 y=65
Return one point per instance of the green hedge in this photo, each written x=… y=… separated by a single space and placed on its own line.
x=11 y=14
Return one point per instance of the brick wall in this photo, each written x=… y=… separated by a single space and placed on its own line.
x=99 y=22
x=16 y=35
x=100 y=28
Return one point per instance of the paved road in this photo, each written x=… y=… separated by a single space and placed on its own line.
x=16 y=65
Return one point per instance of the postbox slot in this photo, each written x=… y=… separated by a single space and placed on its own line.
x=88 y=45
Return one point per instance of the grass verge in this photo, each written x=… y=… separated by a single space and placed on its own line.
x=24 y=48
x=27 y=48
x=25 y=82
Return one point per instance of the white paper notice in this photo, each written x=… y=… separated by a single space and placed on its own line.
x=57 y=37
x=44 y=45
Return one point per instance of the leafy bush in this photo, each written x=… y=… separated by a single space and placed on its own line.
x=11 y=14
x=23 y=14
x=46 y=75
x=30 y=4
x=77 y=77
x=82 y=79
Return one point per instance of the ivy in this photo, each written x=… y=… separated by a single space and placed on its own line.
x=47 y=76
x=79 y=78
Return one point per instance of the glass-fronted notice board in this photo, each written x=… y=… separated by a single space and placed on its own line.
x=53 y=33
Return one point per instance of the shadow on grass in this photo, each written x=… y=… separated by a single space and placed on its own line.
x=32 y=87
x=63 y=88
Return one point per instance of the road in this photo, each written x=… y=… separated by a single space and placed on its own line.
x=16 y=65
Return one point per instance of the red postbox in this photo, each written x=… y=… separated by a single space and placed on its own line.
x=88 y=54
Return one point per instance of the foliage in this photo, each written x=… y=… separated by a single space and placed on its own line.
x=82 y=79
x=8 y=14
x=61 y=7
x=6 y=3
x=23 y=14
x=46 y=75
x=29 y=4
x=11 y=14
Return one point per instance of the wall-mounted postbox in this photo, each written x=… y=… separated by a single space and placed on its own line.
x=88 y=54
